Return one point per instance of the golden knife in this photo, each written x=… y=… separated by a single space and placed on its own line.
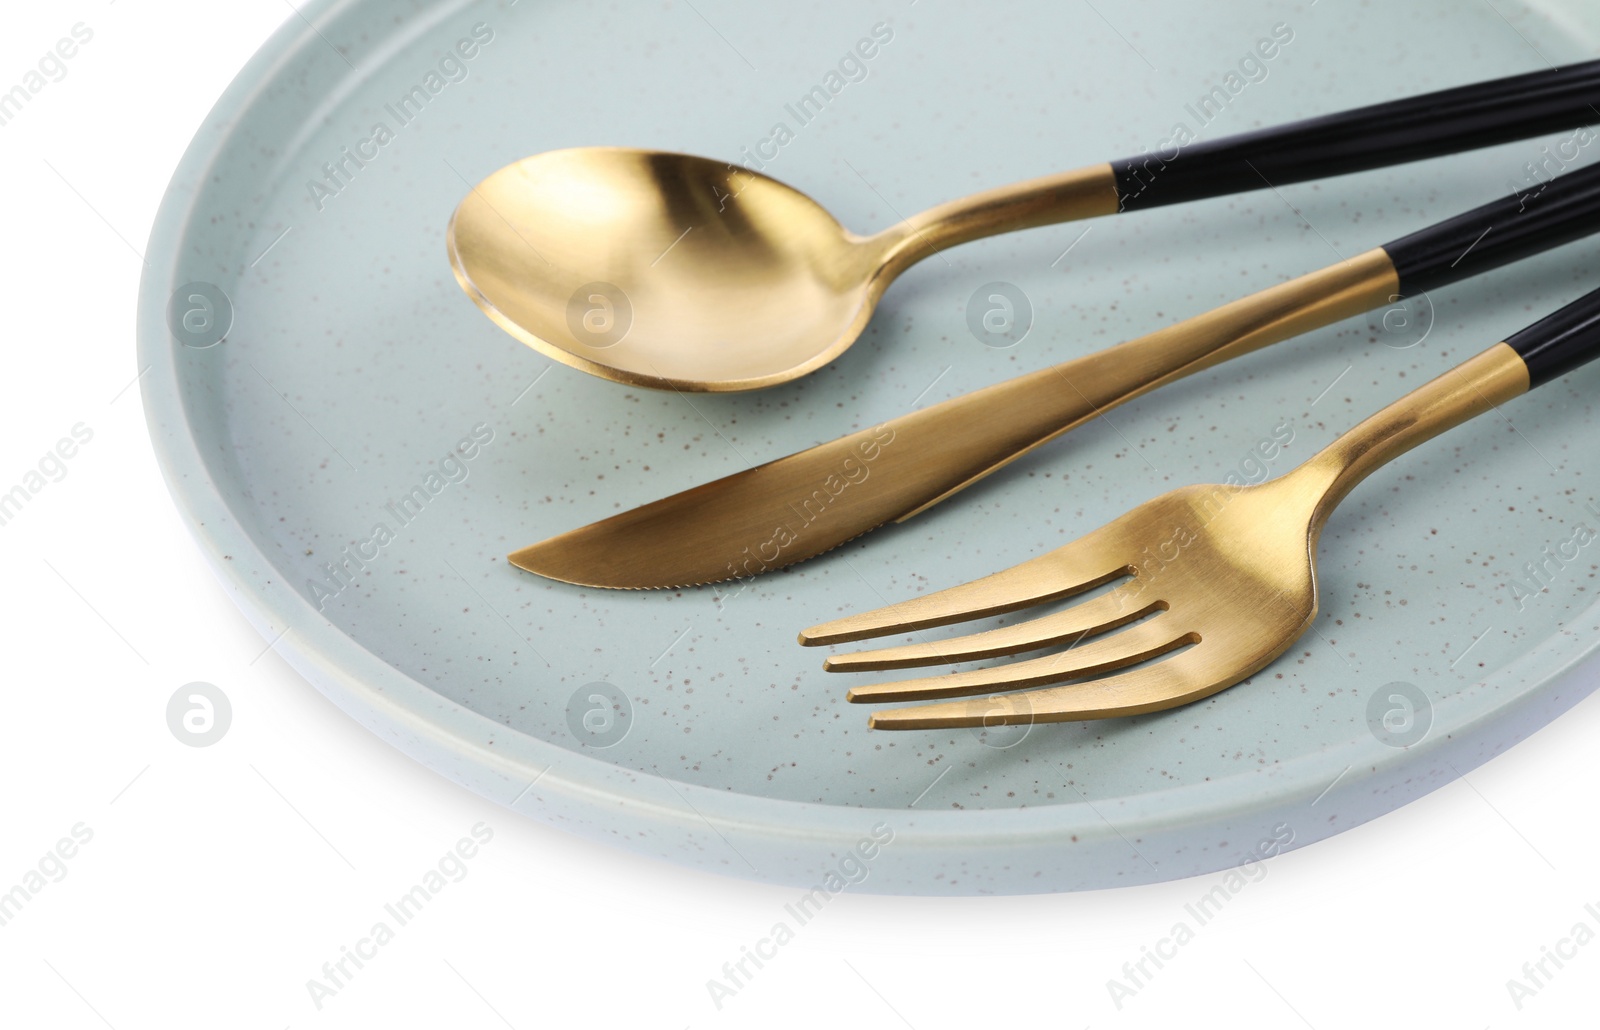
x=797 y=507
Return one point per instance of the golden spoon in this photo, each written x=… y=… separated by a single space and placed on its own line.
x=672 y=271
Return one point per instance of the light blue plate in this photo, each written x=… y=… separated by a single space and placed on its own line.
x=361 y=411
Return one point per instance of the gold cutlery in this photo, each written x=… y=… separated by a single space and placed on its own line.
x=1211 y=582
x=672 y=271
x=796 y=507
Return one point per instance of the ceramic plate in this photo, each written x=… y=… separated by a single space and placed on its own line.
x=357 y=447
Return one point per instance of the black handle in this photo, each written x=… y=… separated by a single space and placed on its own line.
x=1499 y=232
x=1431 y=125
x=1559 y=343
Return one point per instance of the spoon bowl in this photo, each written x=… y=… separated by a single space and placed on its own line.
x=664 y=270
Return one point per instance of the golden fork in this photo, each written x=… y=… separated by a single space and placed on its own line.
x=1217 y=580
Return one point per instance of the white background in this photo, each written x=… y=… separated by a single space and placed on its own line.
x=220 y=879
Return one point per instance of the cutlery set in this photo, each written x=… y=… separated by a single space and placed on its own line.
x=671 y=271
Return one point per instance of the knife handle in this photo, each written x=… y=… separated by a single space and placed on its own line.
x=1502 y=231
x=1390 y=133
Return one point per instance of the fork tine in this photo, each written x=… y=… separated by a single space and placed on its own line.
x=1068 y=570
x=1116 y=608
x=1161 y=685
x=1146 y=640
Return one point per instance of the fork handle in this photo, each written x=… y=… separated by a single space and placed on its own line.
x=1561 y=342
x=1431 y=125
x=1538 y=354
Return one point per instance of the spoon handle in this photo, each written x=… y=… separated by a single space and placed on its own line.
x=1390 y=133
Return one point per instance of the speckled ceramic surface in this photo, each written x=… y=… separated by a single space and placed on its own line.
x=354 y=375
